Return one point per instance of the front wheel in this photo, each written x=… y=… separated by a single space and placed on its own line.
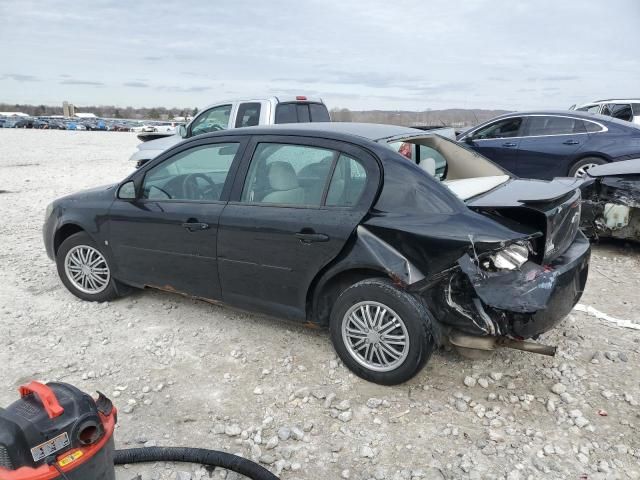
x=382 y=333
x=580 y=168
x=84 y=269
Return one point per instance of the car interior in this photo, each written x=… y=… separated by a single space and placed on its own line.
x=197 y=174
x=297 y=175
x=465 y=172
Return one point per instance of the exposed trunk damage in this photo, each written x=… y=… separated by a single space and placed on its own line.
x=611 y=201
x=471 y=299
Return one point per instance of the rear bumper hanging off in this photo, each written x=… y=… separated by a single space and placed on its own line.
x=519 y=303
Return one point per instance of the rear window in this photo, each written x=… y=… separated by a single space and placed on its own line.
x=296 y=112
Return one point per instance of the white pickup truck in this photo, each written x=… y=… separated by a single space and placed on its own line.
x=237 y=114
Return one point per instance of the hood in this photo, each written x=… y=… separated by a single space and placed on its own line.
x=626 y=167
x=518 y=192
x=161 y=144
x=94 y=193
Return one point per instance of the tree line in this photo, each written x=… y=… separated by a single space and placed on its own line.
x=455 y=117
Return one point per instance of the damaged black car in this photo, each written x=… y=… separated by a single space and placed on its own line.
x=611 y=201
x=328 y=224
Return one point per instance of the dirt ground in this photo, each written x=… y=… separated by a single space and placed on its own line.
x=187 y=373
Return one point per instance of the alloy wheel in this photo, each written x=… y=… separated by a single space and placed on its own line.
x=375 y=336
x=582 y=171
x=87 y=269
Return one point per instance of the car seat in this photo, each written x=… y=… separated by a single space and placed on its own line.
x=284 y=184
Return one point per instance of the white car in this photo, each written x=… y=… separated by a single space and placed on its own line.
x=628 y=109
x=238 y=114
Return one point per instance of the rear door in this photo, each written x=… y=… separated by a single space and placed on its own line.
x=549 y=145
x=296 y=202
x=498 y=141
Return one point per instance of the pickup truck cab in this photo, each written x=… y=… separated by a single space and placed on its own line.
x=238 y=114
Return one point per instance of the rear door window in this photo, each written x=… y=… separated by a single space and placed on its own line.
x=288 y=174
x=248 y=114
x=636 y=109
x=541 y=125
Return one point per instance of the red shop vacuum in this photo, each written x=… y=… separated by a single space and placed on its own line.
x=57 y=432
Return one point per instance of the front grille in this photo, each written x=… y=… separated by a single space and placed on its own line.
x=562 y=226
x=5 y=460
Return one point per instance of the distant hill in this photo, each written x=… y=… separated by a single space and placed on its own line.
x=454 y=117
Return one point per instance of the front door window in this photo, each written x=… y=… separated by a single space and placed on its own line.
x=212 y=120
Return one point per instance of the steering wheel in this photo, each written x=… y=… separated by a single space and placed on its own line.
x=192 y=190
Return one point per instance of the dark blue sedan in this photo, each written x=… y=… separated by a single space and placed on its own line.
x=545 y=145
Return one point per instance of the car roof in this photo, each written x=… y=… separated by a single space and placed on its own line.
x=564 y=113
x=368 y=131
x=625 y=100
x=604 y=119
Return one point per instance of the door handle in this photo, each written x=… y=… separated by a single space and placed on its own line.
x=310 y=236
x=571 y=142
x=195 y=226
x=509 y=144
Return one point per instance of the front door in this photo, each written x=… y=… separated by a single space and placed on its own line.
x=548 y=146
x=498 y=141
x=289 y=216
x=167 y=238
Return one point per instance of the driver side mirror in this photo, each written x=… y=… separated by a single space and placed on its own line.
x=468 y=140
x=182 y=131
x=127 y=191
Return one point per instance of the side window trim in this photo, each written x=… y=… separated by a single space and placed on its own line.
x=327 y=184
x=139 y=176
x=524 y=131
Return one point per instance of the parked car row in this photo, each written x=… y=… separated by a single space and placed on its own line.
x=91 y=124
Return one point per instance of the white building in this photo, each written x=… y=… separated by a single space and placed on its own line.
x=85 y=115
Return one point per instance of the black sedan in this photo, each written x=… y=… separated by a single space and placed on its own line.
x=545 y=145
x=327 y=224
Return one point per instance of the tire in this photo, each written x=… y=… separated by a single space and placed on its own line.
x=71 y=257
x=414 y=322
x=581 y=166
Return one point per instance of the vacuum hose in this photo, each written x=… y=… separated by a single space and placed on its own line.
x=211 y=458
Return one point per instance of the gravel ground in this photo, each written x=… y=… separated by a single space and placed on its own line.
x=188 y=373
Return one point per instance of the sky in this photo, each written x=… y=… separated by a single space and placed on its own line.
x=361 y=54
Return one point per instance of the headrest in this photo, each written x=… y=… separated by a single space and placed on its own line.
x=428 y=165
x=282 y=176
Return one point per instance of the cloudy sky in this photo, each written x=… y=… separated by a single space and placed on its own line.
x=360 y=54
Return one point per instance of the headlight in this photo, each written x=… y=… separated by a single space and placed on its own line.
x=512 y=257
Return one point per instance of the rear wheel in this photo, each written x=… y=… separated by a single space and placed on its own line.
x=84 y=269
x=382 y=333
x=580 y=168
